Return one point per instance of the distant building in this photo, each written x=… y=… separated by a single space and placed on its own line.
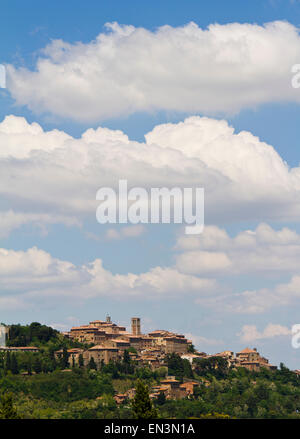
x=111 y=340
x=73 y=355
x=108 y=334
x=101 y=355
x=136 y=326
x=251 y=359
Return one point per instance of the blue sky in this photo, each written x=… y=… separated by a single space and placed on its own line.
x=243 y=289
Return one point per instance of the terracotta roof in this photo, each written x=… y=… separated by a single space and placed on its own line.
x=191 y=355
x=158 y=331
x=103 y=348
x=83 y=328
x=120 y=340
x=194 y=383
x=247 y=351
x=169 y=381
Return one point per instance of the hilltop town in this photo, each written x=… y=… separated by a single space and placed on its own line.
x=110 y=340
x=100 y=364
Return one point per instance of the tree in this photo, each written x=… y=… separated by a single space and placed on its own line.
x=126 y=365
x=7 y=361
x=92 y=364
x=142 y=405
x=14 y=364
x=29 y=366
x=187 y=369
x=214 y=366
x=52 y=360
x=7 y=410
x=175 y=365
x=80 y=360
x=191 y=349
x=126 y=357
x=37 y=366
x=161 y=399
x=65 y=359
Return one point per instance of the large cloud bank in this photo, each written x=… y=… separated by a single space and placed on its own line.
x=49 y=177
x=223 y=68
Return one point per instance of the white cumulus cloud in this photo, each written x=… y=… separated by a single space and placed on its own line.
x=250 y=333
x=35 y=277
x=54 y=174
x=222 y=68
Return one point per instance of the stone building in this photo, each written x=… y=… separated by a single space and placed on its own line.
x=111 y=340
x=251 y=359
x=136 y=326
x=170 y=342
x=73 y=355
x=101 y=355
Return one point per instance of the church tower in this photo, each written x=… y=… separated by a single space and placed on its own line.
x=136 y=326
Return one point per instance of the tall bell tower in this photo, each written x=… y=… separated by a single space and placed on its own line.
x=136 y=326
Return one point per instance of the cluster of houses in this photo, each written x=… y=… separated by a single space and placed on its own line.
x=169 y=387
x=109 y=341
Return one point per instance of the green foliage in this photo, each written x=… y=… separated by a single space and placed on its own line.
x=35 y=332
x=64 y=362
x=14 y=364
x=142 y=406
x=7 y=410
x=80 y=360
x=41 y=336
x=213 y=366
x=132 y=349
x=191 y=349
x=126 y=365
x=37 y=365
x=83 y=393
x=59 y=385
x=92 y=364
x=178 y=367
x=46 y=388
x=161 y=399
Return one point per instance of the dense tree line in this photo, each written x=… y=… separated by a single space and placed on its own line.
x=19 y=335
x=178 y=367
x=47 y=387
x=83 y=393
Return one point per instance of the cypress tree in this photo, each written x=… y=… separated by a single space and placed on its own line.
x=142 y=405
x=7 y=361
x=92 y=364
x=126 y=357
x=161 y=399
x=14 y=364
x=65 y=359
x=37 y=366
x=29 y=366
